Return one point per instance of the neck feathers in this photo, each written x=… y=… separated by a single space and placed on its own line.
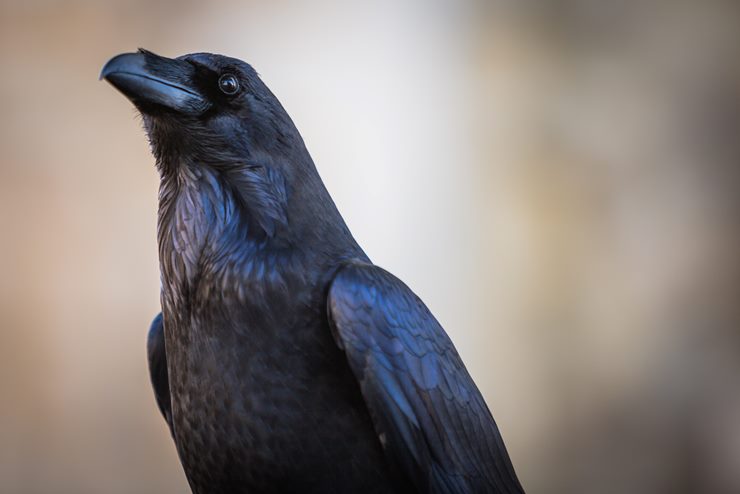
x=236 y=225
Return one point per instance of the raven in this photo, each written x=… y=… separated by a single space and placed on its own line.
x=284 y=361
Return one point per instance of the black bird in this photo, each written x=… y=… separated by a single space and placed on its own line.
x=284 y=361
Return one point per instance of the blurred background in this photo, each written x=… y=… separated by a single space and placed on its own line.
x=557 y=180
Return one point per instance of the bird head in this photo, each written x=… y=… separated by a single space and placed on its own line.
x=212 y=115
x=204 y=107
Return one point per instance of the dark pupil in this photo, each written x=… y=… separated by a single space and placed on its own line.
x=228 y=84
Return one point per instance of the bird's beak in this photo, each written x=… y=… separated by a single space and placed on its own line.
x=153 y=83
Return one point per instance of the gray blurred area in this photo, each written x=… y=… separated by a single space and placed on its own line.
x=559 y=181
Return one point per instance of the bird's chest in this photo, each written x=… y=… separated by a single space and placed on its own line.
x=249 y=356
x=233 y=320
x=233 y=373
x=250 y=404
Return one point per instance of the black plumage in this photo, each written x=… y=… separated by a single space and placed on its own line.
x=284 y=361
x=157 y=358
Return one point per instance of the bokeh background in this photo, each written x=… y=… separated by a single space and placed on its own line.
x=558 y=180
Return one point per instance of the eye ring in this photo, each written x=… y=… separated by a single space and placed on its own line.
x=228 y=84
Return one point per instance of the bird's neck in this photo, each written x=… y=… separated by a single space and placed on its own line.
x=194 y=210
x=241 y=227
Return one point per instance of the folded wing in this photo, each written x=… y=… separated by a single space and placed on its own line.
x=428 y=413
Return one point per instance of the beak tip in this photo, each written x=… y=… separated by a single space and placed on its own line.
x=122 y=62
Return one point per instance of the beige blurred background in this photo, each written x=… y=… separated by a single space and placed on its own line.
x=558 y=181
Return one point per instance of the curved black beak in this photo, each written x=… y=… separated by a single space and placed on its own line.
x=154 y=83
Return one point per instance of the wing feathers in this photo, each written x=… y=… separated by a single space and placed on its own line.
x=158 y=368
x=427 y=411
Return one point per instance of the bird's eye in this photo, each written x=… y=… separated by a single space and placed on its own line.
x=228 y=84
